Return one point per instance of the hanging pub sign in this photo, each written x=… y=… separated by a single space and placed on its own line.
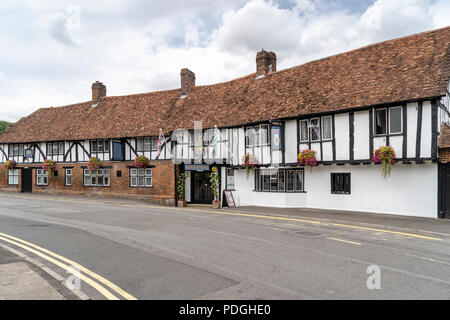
x=276 y=137
x=28 y=153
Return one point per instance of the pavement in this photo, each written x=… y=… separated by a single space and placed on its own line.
x=130 y=249
x=23 y=279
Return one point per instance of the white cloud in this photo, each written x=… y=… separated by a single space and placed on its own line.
x=139 y=46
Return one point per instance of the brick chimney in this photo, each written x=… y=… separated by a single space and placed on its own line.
x=187 y=81
x=266 y=62
x=98 y=91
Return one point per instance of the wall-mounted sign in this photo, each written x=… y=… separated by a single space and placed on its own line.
x=276 y=138
x=196 y=167
x=28 y=153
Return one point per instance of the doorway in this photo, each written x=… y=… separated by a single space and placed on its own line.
x=200 y=186
x=27 y=180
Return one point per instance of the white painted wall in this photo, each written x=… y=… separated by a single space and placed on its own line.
x=425 y=141
x=342 y=136
x=412 y=129
x=411 y=190
x=361 y=135
x=290 y=141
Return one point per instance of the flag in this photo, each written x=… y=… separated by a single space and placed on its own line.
x=215 y=139
x=161 y=142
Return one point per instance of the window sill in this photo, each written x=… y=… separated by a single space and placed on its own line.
x=141 y=187
x=279 y=191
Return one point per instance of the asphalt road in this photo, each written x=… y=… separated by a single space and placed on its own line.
x=154 y=252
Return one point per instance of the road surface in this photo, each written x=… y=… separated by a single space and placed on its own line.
x=133 y=250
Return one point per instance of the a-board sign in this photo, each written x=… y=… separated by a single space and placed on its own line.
x=229 y=198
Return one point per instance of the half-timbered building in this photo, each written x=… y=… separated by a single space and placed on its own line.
x=394 y=93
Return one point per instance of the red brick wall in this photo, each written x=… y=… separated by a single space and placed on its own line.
x=163 y=190
x=444 y=155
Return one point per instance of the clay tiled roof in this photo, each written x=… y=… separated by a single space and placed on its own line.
x=444 y=137
x=403 y=69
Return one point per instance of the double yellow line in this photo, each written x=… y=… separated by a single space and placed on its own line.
x=50 y=256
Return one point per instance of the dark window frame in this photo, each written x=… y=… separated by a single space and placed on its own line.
x=20 y=150
x=105 y=142
x=50 y=148
x=345 y=185
x=309 y=129
x=260 y=180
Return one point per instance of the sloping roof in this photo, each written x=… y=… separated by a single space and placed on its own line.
x=444 y=137
x=402 y=69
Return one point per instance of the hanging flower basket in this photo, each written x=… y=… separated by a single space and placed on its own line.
x=9 y=164
x=141 y=162
x=94 y=163
x=386 y=156
x=49 y=166
x=249 y=162
x=307 y=158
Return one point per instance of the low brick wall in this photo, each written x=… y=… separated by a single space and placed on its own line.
x=163 y=181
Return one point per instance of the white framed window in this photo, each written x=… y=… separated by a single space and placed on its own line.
x=257 y=136
x=15 y=150
x=41 y=177
x=264 y=135
x=13 y=176
x=141 y=177
x=395 y=120
x=314 y=129
x=249 y=137
x=68 y=181
x=96 y=178
x=327 y=133
x=304 y=132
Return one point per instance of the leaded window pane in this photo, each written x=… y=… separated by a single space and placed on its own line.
x=326 y=128
x=304 y=136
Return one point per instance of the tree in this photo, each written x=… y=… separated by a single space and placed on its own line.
x=4 y=125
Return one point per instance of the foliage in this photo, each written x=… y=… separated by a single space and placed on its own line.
x=214 y=182
x=141 y=162
x=9 y=164
x=181 y=185
x=4 y=125
x=94 y=163
x=49 y=166
x=386 y=156
x=249 y=162
x=307 y=158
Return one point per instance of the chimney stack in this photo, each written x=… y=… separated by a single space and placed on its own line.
x=266 y=62
x=98 y=91
x=187 y=81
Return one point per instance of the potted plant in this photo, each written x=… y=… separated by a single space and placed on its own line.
x=49 y=166
x=181 y=185
x=249 y=162
x=214 y=182
x=386 y=156
x=141 y=162
x=9 y=164
x=307 y=158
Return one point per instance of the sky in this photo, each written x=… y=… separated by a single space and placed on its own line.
x=52 y=51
